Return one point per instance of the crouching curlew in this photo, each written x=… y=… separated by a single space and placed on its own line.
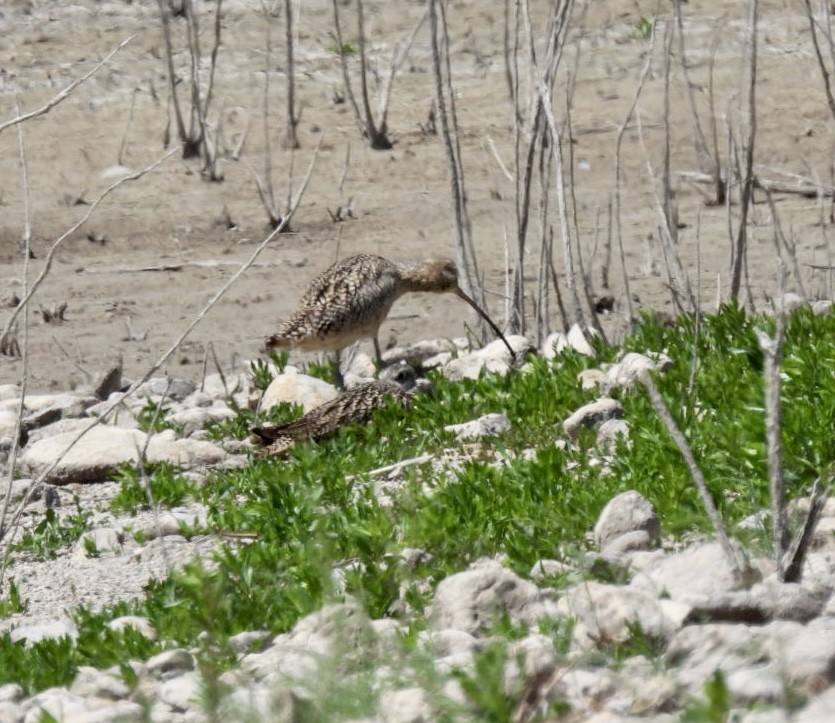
x=354 y=406
x=350 y=300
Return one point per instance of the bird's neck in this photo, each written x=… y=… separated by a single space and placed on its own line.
x=413 y=278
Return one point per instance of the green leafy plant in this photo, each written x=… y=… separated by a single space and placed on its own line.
x=166 y=487
x=12 y=602
x=53 y=533
x=716 y=706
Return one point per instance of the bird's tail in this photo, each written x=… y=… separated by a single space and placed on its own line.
x=276 y=342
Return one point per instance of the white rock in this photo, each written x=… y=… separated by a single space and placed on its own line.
x=11 y=712
x=585 y=689
x=578 y=339
x=819 y=710
x=809 y=656
x=183 y=691
x=248 y=640
x=610 y=433
x=590 y=378
x=405 y=705
x=253 y=703
x=592 y=414
x=295 y=657
x=141 y=625
x=629 y=511
x=757 y=684
x=11 y=692
x=32 y=633
x=198 y=417
x=172 y=388
x=9 y=391
x=66 y=404
x=99 y=452
x=122 y=711
x=822 y=307
x=92 y=683
x=605 y=613
x=172 y=522
x=495 y=357
x=420 y=353
x=170 y=663
x=694 y=574
x=308 y=392
x=442 y=643
x=232 y=385
x=697 y=651
x=488 y=425
x=635 y=541
x=56 y=702
x=532 y=657
x=554 y=345
x=549 y=568
x=790 y=302
x=101 y=541
x=8 y=423
x=473 y=600
x=627 y=372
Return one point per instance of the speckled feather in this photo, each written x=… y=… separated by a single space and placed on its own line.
x=353 y=406
x=348 y=301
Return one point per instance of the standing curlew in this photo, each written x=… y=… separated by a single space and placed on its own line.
x=353 y=406
x=351 y=299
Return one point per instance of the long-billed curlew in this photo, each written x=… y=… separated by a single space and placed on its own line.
x=350 y=300
x=353 y=406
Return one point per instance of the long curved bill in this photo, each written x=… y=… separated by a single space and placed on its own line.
x=483 y=315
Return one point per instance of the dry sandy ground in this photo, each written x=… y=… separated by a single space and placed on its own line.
x=401 y=196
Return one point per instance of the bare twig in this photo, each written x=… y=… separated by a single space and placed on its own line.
x=69 y=232
x=737 y=565
x=66 y=92
x=445 y=105
x=618 y=144
x=740 y=252
x=291 y=139
x=24 y=380
x=792 y=562
x=772 y=349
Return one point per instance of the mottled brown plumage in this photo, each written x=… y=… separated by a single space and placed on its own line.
x=353 y=406
x=350 y=300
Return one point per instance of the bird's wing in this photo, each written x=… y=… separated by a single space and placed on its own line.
x=354 y=406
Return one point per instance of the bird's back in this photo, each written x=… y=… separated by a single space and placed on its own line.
x=346 y=302
x=354 y=406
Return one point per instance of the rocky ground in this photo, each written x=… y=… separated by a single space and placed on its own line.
x=773 y=643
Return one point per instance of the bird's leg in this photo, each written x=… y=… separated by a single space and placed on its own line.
x=378 y=362
x=337 y=371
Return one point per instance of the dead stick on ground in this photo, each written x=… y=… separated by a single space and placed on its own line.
x=792 y=563
x=64 y=94
x=39 y=481
x=738 y=566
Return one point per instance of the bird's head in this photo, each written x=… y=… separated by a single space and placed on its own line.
x=440 y=275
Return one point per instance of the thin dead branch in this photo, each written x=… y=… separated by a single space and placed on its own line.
x=741 y=248
x=772 y=349
x=66 y=92
x=738 y=565
x=69 y=232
